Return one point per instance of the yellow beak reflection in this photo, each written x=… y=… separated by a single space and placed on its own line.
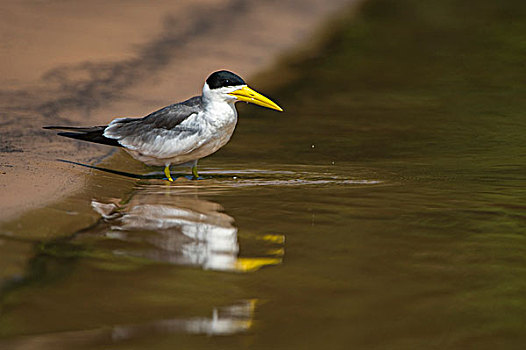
x=248 y=95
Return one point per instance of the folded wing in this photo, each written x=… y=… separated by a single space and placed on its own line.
x=140 y=134
x=160 y=133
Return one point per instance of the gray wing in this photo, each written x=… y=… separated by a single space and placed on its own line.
x=141 y=133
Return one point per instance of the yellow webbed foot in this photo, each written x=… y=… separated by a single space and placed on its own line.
x=194 y=171
x=167 y=173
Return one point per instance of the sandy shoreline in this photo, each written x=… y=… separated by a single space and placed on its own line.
x=84 y=64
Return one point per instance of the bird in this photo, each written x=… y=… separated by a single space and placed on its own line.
x=181 y=133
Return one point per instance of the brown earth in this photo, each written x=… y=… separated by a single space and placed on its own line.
x=84 y=63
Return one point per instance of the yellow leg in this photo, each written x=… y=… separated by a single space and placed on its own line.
x=167 y=173
x=194 y=171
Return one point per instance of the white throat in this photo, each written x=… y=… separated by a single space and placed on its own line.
x=219 y=106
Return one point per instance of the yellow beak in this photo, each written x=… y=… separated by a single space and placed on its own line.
x=248 y=95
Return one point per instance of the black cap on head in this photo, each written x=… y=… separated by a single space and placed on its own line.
x=224 y=78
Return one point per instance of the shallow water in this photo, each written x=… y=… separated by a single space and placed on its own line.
x=384 y=209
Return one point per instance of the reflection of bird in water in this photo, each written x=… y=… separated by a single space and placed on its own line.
x=153 y=225
x=182 y=230
x=180 y=133
x=226 y=320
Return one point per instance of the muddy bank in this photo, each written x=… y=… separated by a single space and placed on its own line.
x=84 y=64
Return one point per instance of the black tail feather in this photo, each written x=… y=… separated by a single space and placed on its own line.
x=91 y=134
x=76 y=128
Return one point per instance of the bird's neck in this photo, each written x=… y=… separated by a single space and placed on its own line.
x=216 y=106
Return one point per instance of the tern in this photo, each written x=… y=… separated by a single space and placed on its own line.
x=181 y=133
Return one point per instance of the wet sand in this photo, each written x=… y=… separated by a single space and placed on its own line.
x=87 y=63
